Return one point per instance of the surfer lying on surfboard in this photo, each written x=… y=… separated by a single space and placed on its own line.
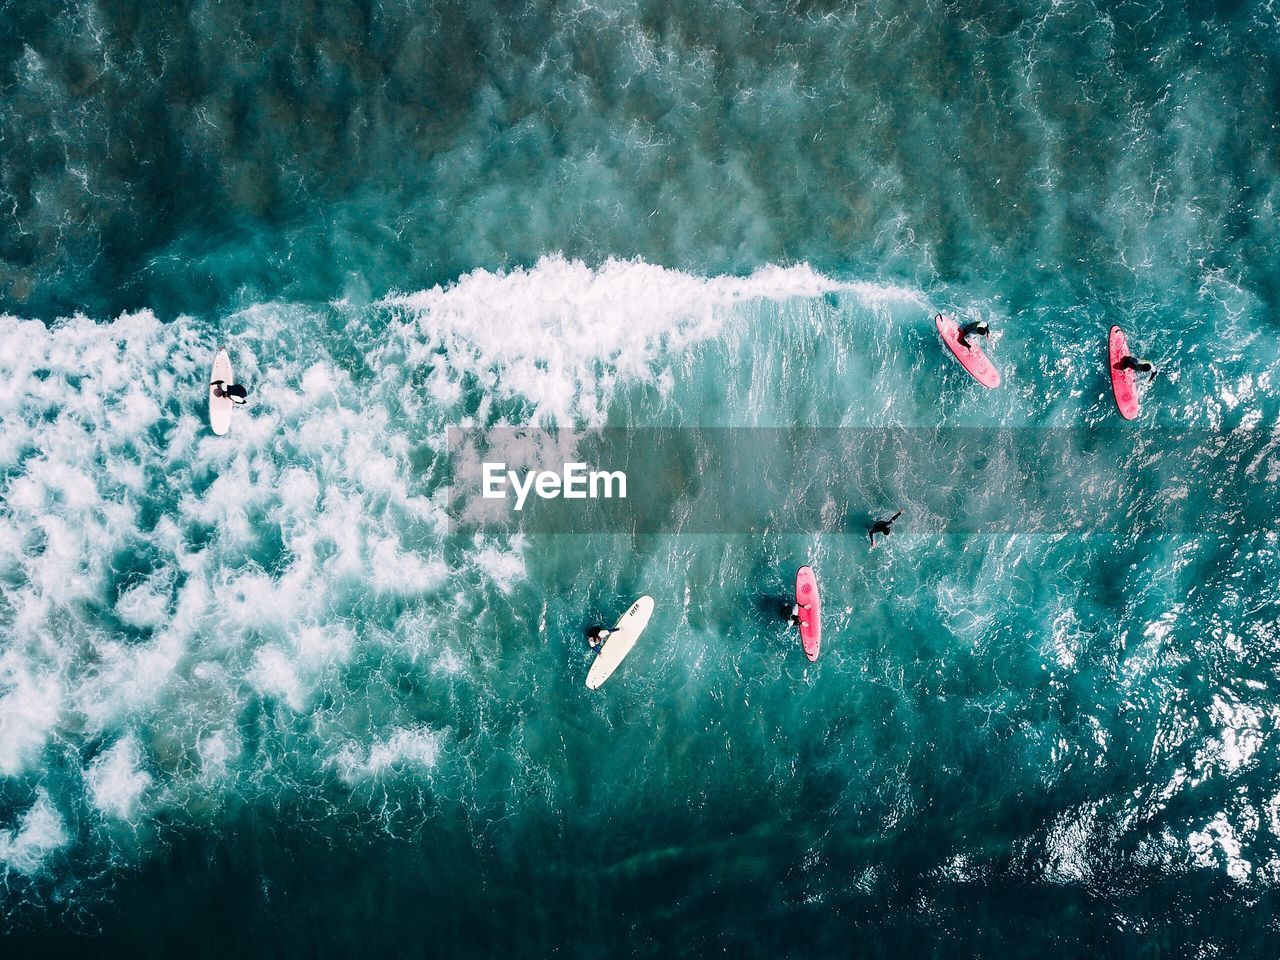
x=232 y=391
x=978 y=328
x=796 y=615
x=596 y=636
x=1138 y=366
x=882 y=527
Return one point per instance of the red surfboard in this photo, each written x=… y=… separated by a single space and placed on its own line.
x=807 y=593
x=1124 y=383
x=971 y=358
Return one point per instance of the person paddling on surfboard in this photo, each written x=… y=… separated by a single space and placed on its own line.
x=882 y=527
x=232 y=391
x=1137 y=366
x=796 y=614
x=978 y=328
x=596 y=636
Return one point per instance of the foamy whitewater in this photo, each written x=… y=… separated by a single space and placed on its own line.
x=161 y=581
x=259 y=696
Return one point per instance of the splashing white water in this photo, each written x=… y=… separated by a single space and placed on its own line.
x=564 y=335
x=39 y=833
x=162 y=584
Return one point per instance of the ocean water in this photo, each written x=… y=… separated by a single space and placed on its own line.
x=258 y=695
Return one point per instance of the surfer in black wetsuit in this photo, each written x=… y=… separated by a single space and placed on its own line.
x=1138 y=366
x=978 y=328
x=795 y=613
x=596 y=636
x=230 y=391
x=882 y=527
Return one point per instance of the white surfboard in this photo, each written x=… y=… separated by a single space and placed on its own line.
x=220 y=407
x=620 y=642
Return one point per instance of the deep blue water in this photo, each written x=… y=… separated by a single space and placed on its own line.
x=258 y=695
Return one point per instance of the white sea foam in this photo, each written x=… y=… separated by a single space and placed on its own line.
x=117 y=780
x=235 y=563
x=504 y=567
x=396 y=571
x=146 y=605
x=29 y=709
x=405 y=749
x=292 y=670
x=216 y=752
x=228 y=555
x=562 y=334
x=39 y=833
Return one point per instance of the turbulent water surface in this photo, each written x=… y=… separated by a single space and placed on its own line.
x=257 y=693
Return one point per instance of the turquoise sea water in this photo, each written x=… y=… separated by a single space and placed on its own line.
x=258 y=696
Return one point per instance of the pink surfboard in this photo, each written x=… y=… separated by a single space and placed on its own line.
x=807 y=593
x=971 y=358
x=1124 y=383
